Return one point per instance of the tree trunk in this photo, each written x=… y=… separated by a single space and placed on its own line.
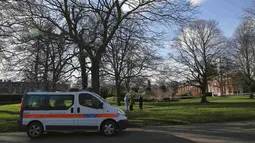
x=221 y=85
x=84 y=75
x=203 y=99
x=203 y=96
x=53 y=86
x=117 y=85
x=118 y=96
x=54 y=81
x=36 y=68
x=128 y=78
x=45 y=75
x=127 y=84
x=250 y=92
x=95 y=75
x=53 y=75
x=46 y=82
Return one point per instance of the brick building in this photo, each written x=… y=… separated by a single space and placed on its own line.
x=188 y=89
x=217 y=86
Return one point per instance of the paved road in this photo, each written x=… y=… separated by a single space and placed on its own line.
x=235 y=132
x=232 y=132
x=129 y=136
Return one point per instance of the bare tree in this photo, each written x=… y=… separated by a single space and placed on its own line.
x=126 y=57
x=140 y=64
x=42 y=57
x=243 y=50
x=5 y=31
x=61 y=57
x=197 y=47
x=114 y=61
x=92 y=24
x=2 y=31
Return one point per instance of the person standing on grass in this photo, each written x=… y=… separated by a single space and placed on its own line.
x=126 y=102
x=140 y=100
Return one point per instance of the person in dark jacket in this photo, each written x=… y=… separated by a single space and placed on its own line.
x=140 y=100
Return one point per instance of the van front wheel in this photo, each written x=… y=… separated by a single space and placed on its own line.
x=109 y=128
x=35 y=130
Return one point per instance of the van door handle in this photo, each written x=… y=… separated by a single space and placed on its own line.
x=78 y=110
x=72 y=110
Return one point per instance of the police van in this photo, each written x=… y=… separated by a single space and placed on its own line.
x=42 y=112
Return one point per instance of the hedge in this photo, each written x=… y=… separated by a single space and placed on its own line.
x=10 y=98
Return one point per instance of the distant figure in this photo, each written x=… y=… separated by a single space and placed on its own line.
x=126 y=102
x=140 y=100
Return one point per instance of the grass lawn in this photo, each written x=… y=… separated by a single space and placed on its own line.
x=8 y=117
x=188 y=111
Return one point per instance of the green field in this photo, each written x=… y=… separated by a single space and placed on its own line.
x=188 y=111
x=8 y=117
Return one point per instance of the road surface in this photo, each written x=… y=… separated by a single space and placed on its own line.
x=128 y=136
x=234 y=132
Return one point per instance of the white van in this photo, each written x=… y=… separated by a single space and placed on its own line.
x=69 y=111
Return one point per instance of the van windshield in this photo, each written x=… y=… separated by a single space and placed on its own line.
x=100 y=97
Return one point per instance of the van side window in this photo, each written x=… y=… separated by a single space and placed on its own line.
x=88 y=100
x=60 y=102
x=35 y=102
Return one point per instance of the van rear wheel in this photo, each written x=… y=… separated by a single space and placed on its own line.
x=109 y=128
x=35 y=130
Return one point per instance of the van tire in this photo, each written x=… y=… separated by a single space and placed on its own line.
x=35 y=130
x=109 y=128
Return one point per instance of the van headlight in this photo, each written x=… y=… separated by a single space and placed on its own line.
x=121 y=112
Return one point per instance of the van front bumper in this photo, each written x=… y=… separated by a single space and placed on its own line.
x=123 y=124
x=20 y=126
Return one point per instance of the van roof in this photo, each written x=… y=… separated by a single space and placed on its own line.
x=72 y=92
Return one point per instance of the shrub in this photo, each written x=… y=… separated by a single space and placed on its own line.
x=185 y=94
x=208 y=94
x=135 y=89
x=111 y=91
x=110 y=99
x=10 y=98
x=148 y=89
x=73 y=89
x=148 y=94
x=89 y=89
x=148 y=99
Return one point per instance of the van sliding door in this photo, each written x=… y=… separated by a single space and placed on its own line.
x=60 y=114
